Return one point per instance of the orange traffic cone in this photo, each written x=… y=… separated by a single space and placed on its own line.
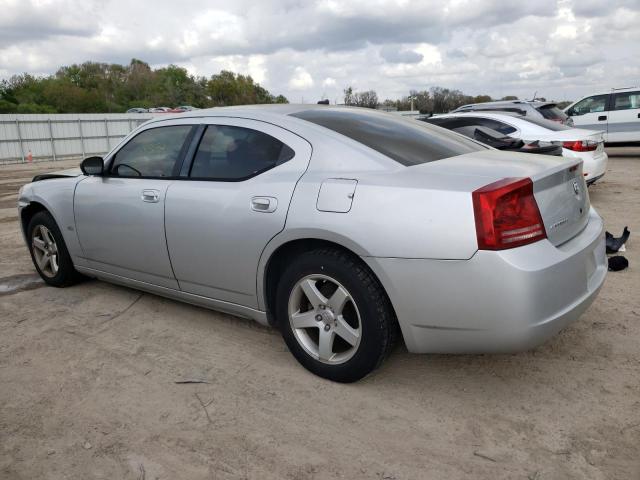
x=29 y=157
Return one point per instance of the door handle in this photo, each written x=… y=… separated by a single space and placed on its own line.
x=264 y=204
x=602 y=118
x=150 y=195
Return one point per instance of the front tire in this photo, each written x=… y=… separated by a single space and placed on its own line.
x=334 y=315
x=49 y=252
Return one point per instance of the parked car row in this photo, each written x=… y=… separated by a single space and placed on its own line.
x=181 y=109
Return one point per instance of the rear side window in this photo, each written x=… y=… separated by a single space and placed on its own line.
x=152 y=153
x=551 y=112
x=626 y=101
x=229 y=153
x=408 y=142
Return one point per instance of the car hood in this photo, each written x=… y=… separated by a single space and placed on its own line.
x=70 y=172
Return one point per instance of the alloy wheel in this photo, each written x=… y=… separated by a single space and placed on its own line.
x=45 y=251
x=324 y=319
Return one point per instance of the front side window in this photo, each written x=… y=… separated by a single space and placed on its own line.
x=152 y=153
x=626 y=101
x=228 y=153
x=594 y=104
x=408 y=142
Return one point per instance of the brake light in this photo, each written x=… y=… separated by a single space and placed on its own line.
x=581 y=145
x=507 y=214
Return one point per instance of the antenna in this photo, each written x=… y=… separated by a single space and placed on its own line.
x=534 y=96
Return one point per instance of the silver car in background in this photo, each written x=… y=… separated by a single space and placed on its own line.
x=343 y=227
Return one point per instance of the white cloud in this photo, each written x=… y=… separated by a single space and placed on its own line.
x=301 y=79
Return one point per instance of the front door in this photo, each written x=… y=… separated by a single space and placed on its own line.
x=235 y=200
x=120 y=216
x=591 y=113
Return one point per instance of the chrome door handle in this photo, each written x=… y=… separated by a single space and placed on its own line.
x=264 y=204
x=150 y=195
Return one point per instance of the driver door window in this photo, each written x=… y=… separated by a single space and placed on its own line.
x=594 y=104
x=153 y=153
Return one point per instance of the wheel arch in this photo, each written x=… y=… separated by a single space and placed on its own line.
x=274 y=260
x=28 y=212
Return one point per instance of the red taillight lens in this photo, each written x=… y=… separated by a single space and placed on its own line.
x=581 y=145
x=507 y=214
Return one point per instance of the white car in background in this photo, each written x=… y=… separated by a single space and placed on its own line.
x=587 y=145
x=616 y=112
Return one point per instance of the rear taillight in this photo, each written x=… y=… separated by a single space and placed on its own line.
x=581 y=145
x=507 y=214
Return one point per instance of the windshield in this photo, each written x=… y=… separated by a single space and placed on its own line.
x=406 y=141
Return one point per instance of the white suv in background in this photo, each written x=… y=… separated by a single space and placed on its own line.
x=616 y=113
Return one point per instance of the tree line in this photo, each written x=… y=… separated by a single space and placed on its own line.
x=433 y=100
x=93 y=87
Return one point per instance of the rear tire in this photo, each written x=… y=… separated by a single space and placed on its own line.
x=49 y=252
x=334 y=315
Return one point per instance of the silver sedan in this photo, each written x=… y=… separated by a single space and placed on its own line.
x=344 y=228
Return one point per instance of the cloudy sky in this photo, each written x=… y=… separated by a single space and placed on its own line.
x=313 y=49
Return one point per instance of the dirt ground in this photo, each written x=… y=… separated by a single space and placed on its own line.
x=88 y=386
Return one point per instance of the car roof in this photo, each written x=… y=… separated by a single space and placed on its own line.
x=502 y=103
x=482 y=113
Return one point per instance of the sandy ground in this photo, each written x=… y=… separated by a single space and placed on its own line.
x=88 y=386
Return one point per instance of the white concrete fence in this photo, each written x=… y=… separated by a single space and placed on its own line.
x=63 y=136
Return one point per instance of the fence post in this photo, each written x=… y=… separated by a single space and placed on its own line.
x=53 y=146
x=20 y=139
x=81 y=137
x=106 y=130
x=130 y=127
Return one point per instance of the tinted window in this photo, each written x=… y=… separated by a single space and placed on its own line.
x=626 y=101
x=551 y=112
x=548 y=124
x=597 y=103
x=459 y=122
x=236 y=153
x=406 y=141
x=152 y=153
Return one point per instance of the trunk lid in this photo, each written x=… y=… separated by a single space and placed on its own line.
x=571 y=134
x=558 y=184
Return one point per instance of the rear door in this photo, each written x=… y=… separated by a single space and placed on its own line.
x=235 y=199
x=624 y=117
x=591 y=113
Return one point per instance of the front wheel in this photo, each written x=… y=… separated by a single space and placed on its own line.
x=334 y=315
x=49 y=252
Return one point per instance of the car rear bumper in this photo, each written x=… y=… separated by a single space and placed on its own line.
x=502 y=301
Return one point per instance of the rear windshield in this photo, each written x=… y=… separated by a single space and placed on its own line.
x=551 y=112
x=548 y=124
x=406 y=141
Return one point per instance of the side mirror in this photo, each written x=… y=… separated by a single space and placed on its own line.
x=92 y=166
